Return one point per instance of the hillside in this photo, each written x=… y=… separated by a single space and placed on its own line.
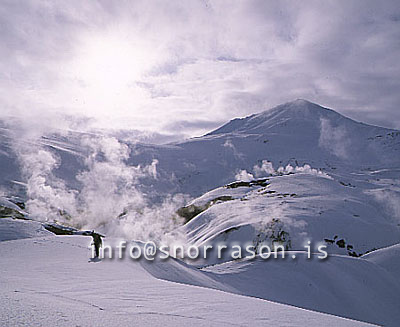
x=67 y=290
x=294 y=174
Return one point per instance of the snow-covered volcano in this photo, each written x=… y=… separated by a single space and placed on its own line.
x=294 y=173
x=297 y=133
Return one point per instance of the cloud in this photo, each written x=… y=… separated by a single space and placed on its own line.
x=192 y=127
x=334 y=138
x=267 y=169
x=152 y=65
x=108 y=197
x=244 y=176
x=231 y=147
x=389 y=198
x=306 y=169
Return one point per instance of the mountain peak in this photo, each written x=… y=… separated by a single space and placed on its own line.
x=299 y=109
x=298 y=105
x=301 y=102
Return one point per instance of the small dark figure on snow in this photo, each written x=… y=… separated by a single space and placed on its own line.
x=97 y=241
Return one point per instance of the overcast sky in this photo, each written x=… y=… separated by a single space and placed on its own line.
x=185 y=67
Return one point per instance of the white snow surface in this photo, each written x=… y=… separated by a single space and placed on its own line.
x=309 y=207
x=386 y=258
x=340 y=285
x=48 y=281
x=13 y=229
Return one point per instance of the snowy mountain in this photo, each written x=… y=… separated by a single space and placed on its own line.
x=292 y=174
x=296 y=133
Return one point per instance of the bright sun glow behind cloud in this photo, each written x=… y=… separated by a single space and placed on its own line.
x=108 y=67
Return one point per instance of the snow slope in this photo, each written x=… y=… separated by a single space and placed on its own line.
x=344 y=286
x=307 y=207
x=341 y=285
x=387 y=258
x=12 y=229
x=62 y=288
